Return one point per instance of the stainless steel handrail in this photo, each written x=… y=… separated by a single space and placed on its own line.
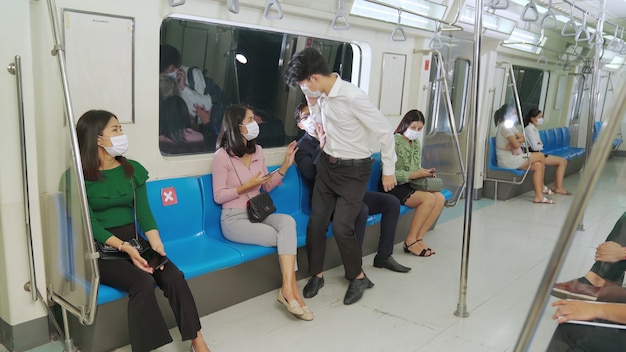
x=518 y=108
x=441 y=75
x=16 y=69
x=86 y=315
x=461 y=306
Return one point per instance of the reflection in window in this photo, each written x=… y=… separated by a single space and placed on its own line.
x=211 y=66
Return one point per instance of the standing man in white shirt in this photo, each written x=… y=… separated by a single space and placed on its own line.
x=348 y=118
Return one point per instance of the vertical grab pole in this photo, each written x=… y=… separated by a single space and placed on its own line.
x=16 y=69
x=461 y=307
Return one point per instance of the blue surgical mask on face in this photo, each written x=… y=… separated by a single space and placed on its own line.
x=253 y=131
x=119 y=145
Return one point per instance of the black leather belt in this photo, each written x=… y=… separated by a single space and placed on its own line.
x=348 y=162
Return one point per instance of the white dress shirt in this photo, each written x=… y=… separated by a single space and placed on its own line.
x=348 y=115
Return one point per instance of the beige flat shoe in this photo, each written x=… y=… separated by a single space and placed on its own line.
x=292 y=306
x=307 y=315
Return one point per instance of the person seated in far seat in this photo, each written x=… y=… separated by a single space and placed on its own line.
x=533 y=119
x=307 y=156
x=175 y=133
x=510 y=155
x=196 y=88
x=427 y=205
x=608 y=270
x=591 y=336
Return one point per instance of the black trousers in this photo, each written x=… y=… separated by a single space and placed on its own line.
x=614 y=271
x=379 y=203
x=146 y=325
x=338 y=188
x=584 y=338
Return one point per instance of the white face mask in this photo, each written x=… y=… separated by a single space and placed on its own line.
x=253 y=131
x=119 y=145
x=311 y=93
x=173 y=74
x=309 y=125
x=540 y=121
x=412 y=134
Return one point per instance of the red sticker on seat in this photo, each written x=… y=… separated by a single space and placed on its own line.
x=168 y=196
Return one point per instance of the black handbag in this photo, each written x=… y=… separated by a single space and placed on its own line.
x=427 y=184
x=109 y=253
x=258 y=207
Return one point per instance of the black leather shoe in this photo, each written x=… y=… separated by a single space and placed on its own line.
x=311 y=287
x=355 y=290
x=390 y=263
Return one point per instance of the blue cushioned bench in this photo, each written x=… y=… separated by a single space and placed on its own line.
x=500 y=180
x=189 y=224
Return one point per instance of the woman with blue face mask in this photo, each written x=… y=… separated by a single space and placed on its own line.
x=428 y=205
x=116 y=193
x=533 y=119
x=239 y=173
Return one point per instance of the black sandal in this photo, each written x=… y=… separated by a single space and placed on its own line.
x=422 y=253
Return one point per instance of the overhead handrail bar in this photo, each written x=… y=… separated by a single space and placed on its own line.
x=541 y=60
x=598 y=17
x=548 y=21
x=530 y=13
x=233 y=6
x=498 y=4
x=279 y=10
x=406 y=10
x=341 y=15
x=398 y=34
x=16 y=69
x=616 y=43
x=582 y=29
x=174 y=3
x=85 y=314
x=435 y=42
x=570 y=23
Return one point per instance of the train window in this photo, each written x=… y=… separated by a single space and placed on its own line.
x=226 y=64
x=532 y=87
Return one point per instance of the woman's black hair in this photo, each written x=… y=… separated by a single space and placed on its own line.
x=531 y=114
x=410 y=116
x=499 y=115
x=174 y=118
x=230 y=137
x=89 y=127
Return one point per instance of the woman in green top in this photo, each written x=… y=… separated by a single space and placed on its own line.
x=428 y=205
x=114 y=184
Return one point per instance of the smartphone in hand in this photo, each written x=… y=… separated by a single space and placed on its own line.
x=269 y=173
x=154 y=259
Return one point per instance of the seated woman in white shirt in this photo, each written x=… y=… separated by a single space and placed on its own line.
x=509 y=153
x=533 y=142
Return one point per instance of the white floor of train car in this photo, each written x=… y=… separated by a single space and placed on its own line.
x=510 y=245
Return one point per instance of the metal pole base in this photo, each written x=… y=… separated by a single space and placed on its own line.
x=581 y=227
x=461 y=311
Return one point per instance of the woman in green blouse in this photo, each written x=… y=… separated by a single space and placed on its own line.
x=114 y=184
x=428 y=205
